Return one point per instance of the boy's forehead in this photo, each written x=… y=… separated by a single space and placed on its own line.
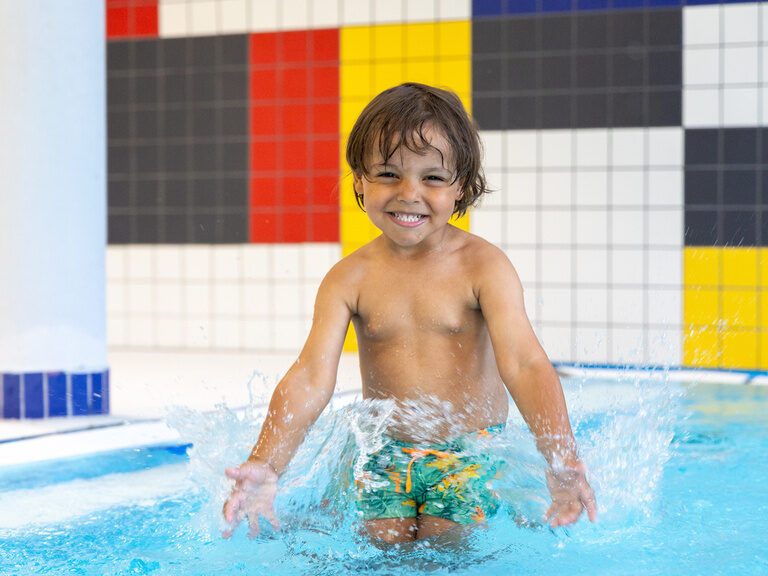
x=423 y=143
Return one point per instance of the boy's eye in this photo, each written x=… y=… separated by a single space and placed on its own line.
x=436 y=178
x=386 y=175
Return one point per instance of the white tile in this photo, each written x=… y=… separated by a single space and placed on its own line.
x=287 y=299
x=226 y=299
x=140 y=263
x=493 y=146
x=740 y=64
x=169 y=332
x=665 y=187
x=258 y=299
x=226 y=333
x=555 y=304
x=259 y=334
x=289 y=335
x=592 y=148
x=318 y=259
x=665 y=147
x=701 y=66
x=172 y=19
x=524 y=261
x=556 y=265
x=197 y=332
x=556 y=189
x=197 y=262
x=627 y=187
x=257 y=261
x=627 y=227
x=168 y=298
x=454 y=9
x=169 y=262
x=263 y=15
x=740 y=107
x=234 y=16
x=701 y=25
x=522 y=149
x=139 y=297
x=117 y=328
x=325 y=13
x=494 y=180
x=627 y=306
x=557 y=342
x=740 y=23
x=591 y=344
x=665 y=346
x=591 y=305
x=665 y=267
x=488 y=224
x=115 y=263
x=626 y=345
x=294 y=14
x=591 y=266
x=556 y=227
x=520 y=189
x=665 y=227
x=628 y=147
x=388 y=11
x=764 y=106
x=226 y=262
x=665 y=307
x=591 y=188
x=701 y=107
x=355 y=12
x=116 y=298
x=203 y=18
x=764 y=57
x=521 y=227
x=627 y=267
x=286 y=262
x=591 y=226
x=421 y=11
x=556 y=148
x=197 y=299
x=139 y=331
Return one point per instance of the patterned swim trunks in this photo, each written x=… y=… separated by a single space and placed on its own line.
x=405 y=480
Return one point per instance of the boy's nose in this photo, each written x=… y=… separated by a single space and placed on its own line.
x=408 y=192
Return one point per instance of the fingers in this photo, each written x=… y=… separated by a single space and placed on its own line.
x=270 y=516
x=590 y=504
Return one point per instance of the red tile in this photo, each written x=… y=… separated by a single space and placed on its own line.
x=263 y=84
x=294 y=119
x=296 y=156
x=264 y=192
x=118 y=22
x=264 y=156
x=294 y=46
x=325 y=119
x=263 y=48
x=295 y=226
x=264 y=120
x=264 y=228
x=293 y=83
x=325 y=154
x=325 y=82
x=325 y=227
x=325 y=45
x=295 y=192
x=145 y=21
x=326 y=190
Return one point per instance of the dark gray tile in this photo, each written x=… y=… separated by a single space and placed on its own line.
x=701 y=146
x=665 y=108
x=205 y=193
x=174 y=228
x=763 y=136
x=118 y=91
x=233 y=85
x=204 y=122
x=175 y=194
x=234 y=50
x=145 y=89
x=488 y=36
x=591 y=30
x=626 y=29
x=234 y=121
x=118 y=229
x=739 y=187
x=665 y=68
x=119 y=55
x=665 y=27
x=147 y=195
x=203 y=86
x=146 y=54
x=521 y=112
x=627 y=69
x=556 y=32
x=204 y=157
x=521 y=73
x=174 y=122
x=763 y=228
x=146 y=158
x=487 y=111
x=203 y=51
x=233 y=228
x=701 y=186
x=118 y=194
x=234 y=193
x=591 y=70
x=234 y=157
x=119 y=159
x=176 y=158
x=555 y=111
x=118 y=124
x=175 y=53
x=520 y=35
x=627 y=109
x=739 y=228
x=740 y=145
x=203 y=228
x=487 y=74
x=147 y=229
x=700 y=227
x=147 y=124
x=175 y=87
x=556 y=72
x=591 y=110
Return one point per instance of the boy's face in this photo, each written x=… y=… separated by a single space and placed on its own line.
x=411 y=197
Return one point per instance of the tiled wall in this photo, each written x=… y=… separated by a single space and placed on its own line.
x=623 y=137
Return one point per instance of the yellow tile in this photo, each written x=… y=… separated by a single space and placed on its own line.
x=356 y=81
x=421 y=40
x=456 y=74
x=740 y=267
x=739 y=349
x=700 y=307
x=386 y=75
x=462 y=223
x=454 y=38
x=762 y=342
x=740 y=308
x=701 y=348
x=420 y=71
x=350 y=111
x=762 y=298
x=388 y=42
x=350 y=342
x=762 y=256
x=701 y=266
x=355 y=43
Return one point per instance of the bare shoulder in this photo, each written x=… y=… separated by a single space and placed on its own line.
x=484 y=257
x=344 y=277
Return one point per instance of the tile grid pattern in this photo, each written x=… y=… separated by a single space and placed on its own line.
x=33 y=395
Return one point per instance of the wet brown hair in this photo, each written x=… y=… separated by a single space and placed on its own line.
x=400 y=115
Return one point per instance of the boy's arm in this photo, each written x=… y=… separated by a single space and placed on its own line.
x=532 y=382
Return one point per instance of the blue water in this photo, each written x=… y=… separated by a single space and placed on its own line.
x=679 y=472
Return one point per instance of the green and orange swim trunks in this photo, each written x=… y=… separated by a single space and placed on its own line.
x=448 y=480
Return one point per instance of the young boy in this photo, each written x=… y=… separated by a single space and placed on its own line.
x=439 y=319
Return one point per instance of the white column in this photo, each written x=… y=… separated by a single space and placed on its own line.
x=52 y=185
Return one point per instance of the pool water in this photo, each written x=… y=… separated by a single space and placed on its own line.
x=679 y=472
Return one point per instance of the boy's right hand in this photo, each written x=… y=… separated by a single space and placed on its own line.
x=253 y=494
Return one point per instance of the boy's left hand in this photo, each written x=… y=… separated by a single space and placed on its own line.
x=571 y=493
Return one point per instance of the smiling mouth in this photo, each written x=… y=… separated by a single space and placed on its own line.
x=406 y=219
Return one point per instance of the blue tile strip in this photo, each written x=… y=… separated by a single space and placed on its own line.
x=40 y=395
x=496 y=8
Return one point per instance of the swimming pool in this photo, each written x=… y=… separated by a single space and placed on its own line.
x=679 y=472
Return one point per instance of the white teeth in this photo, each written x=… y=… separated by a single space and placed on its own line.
x=408 y=217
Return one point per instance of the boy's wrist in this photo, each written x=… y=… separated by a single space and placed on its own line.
x=256 y=459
